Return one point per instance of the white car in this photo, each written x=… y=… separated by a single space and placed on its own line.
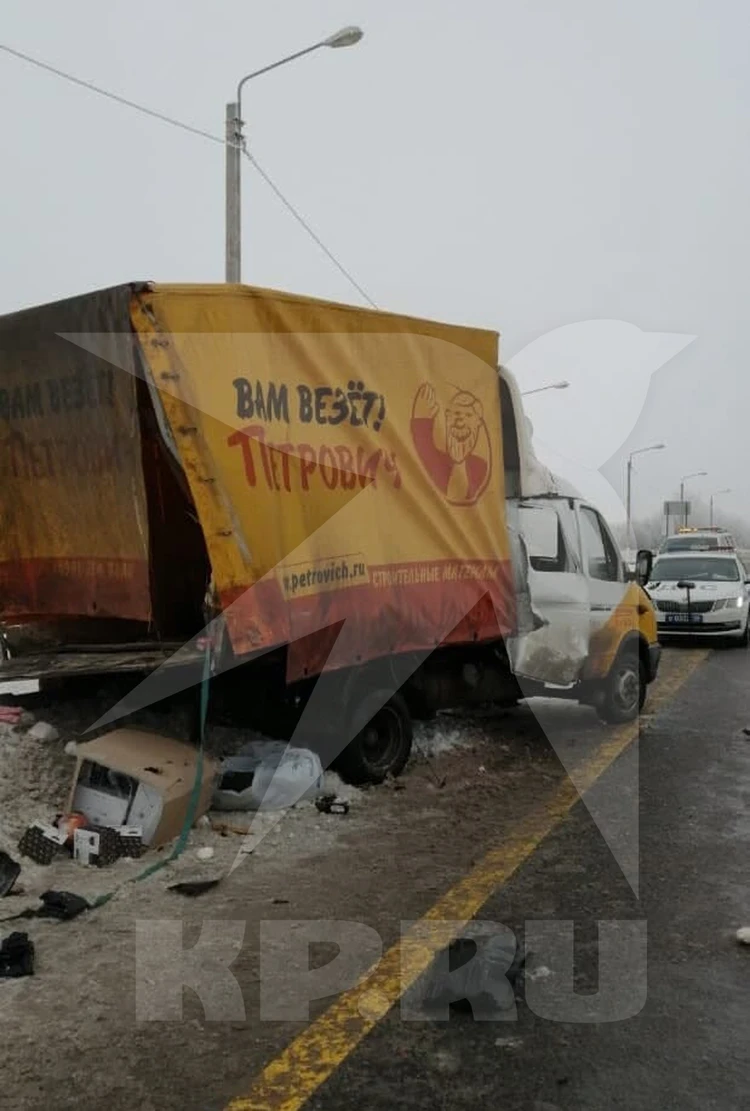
x=701 y=594
x=699 y=540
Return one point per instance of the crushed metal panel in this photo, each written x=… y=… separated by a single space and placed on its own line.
x=556 y=652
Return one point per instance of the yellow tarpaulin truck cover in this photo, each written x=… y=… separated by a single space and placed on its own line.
x=346 y=466
x=73 y=520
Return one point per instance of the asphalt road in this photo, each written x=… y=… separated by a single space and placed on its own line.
x=687 y=1047
x=494 y=831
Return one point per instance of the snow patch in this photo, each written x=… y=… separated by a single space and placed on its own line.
x=433 y=738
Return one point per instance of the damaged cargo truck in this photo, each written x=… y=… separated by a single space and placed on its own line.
x=347 y=498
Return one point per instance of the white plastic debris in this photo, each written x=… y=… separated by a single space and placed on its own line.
x=205 y=853
x=540 y=973
x=269 y=775
x=43 y=731
x=743 y=935
x=19 y=686
x=71 y=748
x=508 y=1043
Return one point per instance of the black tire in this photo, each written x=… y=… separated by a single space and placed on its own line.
x=624 y=688
x=383 y=745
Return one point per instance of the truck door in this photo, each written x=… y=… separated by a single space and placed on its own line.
x=555 y=653
x=613 y=601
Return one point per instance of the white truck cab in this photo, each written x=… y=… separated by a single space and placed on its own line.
x=586 y=628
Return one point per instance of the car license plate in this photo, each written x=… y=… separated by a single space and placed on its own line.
x=683 y=618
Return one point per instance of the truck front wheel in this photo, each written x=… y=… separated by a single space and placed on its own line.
x=624 y=688
x=383 y=746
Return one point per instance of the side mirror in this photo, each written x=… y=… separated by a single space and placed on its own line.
x=644 y=563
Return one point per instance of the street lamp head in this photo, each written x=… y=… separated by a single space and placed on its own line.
x=651 y=447
x=542 y=389
x=347 y=36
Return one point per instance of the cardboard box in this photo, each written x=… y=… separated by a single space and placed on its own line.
x=135 y=778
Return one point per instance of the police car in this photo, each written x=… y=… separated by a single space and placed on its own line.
x=699 y=540
x=701 y=593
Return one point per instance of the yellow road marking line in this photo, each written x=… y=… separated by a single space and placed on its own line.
x=287 y=1082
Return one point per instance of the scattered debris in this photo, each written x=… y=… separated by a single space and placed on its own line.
x=478 y=975
x=41 y=842
x=142 y=779
x=10 y=870
x=62 y=905
x=540 y=973
x=270 y=775
x=333 y=784
x=11 y=715
x=205 y=853
x=43 y=731
x=69 y=823
x=131 y=842
x=444 y=734
x=96 y=845
x=225 y=827
x=193 y=888
x=16 y=956
x=331 y=804
x=508 y=1043
x=743 y=935
x=19 y=686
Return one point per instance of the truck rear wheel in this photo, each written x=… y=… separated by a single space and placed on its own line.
x=624 y=688
x=383 y=746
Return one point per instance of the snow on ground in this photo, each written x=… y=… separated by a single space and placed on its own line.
x=35 y=777
x=448 y=732
x=35 y=780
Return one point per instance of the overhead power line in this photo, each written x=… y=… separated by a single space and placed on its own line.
x=173 y=122
x=110 y=95
x=303 y=223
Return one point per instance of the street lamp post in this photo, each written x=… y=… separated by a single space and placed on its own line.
x=715 y=494
x=629 y=484
x=348 y=36
x=551 y=386
x=683 y=480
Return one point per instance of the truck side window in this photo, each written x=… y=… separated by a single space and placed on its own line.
x=601 y=555
x=543 y=536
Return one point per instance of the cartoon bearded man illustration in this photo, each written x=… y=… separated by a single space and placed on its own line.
x=457 y=470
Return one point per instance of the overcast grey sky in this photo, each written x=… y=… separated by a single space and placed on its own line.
x=522 y=166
